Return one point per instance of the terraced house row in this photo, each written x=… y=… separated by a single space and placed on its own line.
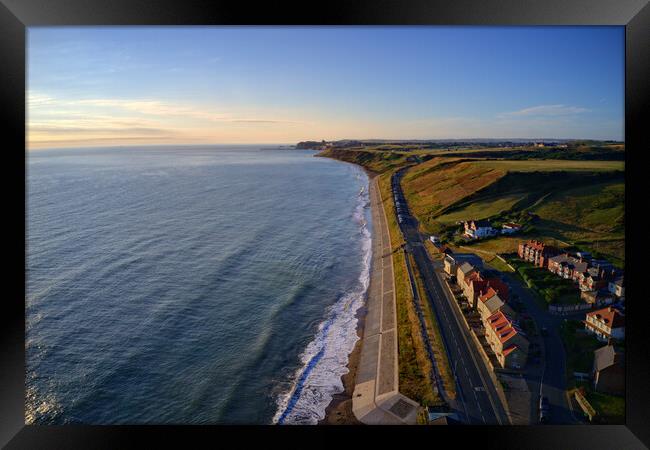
x=536 y=252
x=598 y=280
x=507 y=340
x=489 y=296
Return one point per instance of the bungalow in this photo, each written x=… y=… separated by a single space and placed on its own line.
x=617 y=287
x=536 y=252
x=510 y=228
x=567 y=266
x=477 y=229
x=607 y=323
x=507 y=340
x=608 y=372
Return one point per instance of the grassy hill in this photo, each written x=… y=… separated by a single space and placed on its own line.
x=372 y=160
x=573 y=203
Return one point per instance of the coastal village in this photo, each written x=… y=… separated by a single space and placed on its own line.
x=499 y=310
x=505 y=332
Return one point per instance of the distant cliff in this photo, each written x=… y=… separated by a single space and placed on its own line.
x=311 y=145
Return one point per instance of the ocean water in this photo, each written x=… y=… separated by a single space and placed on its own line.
x=196 y=285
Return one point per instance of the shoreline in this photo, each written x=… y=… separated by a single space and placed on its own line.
x=339 y=410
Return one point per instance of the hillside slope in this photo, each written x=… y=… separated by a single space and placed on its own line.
x=578 y=203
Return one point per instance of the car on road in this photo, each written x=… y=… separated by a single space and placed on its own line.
x=544 y=331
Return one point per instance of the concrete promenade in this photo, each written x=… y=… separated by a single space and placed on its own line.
x=376 y=399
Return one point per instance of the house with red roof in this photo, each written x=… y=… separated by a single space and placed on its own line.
x=507 y=340
x=536 y=252
x=607 y=323
x=489 y=302
x=477 y=285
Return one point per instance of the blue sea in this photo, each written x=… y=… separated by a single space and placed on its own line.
x=191 y=285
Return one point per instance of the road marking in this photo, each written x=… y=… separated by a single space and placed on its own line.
x=480 y=374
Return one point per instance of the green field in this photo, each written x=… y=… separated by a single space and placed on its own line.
x=568 y=203
x=610 y=408
x=549 y=287
x=481 y=208
x=546 y=165
x=579 y=347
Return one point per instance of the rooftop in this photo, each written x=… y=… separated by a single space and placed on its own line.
x=607 y=356
x=568 y=260
x=610 y=316
x=466 y=268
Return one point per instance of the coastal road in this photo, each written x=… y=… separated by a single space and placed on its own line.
x=477 y=401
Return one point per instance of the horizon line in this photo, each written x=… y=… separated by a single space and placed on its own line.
x=81 y=146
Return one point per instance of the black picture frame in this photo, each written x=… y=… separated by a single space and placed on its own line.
x=16 y=15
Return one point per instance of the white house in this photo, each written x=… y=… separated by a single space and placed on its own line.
x=477 y=229
x=607 y=323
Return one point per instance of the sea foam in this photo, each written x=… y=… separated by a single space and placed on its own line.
x=325 y=359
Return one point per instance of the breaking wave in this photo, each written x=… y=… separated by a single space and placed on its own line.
x=324 y=360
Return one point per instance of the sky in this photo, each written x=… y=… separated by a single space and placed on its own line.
x=98 y=86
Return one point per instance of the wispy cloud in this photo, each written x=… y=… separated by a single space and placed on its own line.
x=62 y=130
x=96 y=119
x=545 y=110
x=146 y=107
